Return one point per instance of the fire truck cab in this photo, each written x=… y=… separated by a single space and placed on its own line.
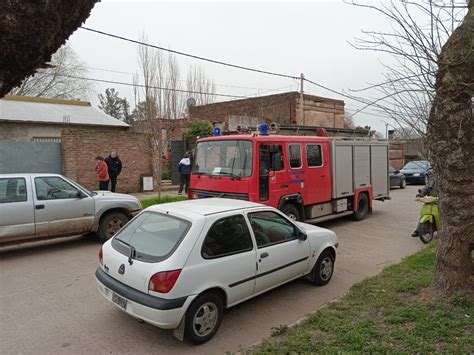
x=309 y=178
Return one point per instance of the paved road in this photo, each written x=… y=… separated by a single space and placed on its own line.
x=50 y=304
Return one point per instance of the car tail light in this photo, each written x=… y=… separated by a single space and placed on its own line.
x=101 y=257
x=163 y=281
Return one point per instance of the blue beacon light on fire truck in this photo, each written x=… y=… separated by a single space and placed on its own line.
x=217 y=132
x=263 y=129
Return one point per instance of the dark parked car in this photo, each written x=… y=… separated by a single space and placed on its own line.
x=415 y=171
x=397 y=179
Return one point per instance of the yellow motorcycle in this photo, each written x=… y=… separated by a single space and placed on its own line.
x=429 y=220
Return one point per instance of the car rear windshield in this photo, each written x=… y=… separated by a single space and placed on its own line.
x=417 y=165
x=154 y=236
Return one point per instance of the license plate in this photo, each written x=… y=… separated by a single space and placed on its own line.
x=121 y=302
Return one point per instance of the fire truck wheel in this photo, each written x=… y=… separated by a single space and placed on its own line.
x=291 y=211
x=362 y=207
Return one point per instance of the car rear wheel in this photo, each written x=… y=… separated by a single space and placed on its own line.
x=110 y=224
x=362 y=207
x=403 y=183
x=203 y=318
x=291 y=211
x=323 y=269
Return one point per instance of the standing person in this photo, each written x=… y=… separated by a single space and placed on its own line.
x=102 y=173
x=114 y=165
x=184 y=169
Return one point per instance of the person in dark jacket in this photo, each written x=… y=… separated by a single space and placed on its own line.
x=114 y=165
x=184 y=169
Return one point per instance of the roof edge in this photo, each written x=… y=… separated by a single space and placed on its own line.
x=46 y=100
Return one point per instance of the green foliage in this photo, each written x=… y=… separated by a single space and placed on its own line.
x=198 y=129
x=164 y=199
x=112 y=104
x=166 y=175
x=393 y=312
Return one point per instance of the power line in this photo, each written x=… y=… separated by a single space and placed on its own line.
x=189 y=55
x=226 y=64
x=182 y=80
x=150 y=87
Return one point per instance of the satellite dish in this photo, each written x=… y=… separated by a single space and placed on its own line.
x=191 y=102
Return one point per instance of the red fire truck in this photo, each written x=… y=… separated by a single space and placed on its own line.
x=310 y=178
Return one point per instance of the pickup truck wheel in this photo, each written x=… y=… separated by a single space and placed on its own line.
x=203 y=317
x=110 y=224
x=323 y=269
x=291 y=211
x=362 y=207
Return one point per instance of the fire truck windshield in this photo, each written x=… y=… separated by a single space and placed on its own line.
x=224 y=157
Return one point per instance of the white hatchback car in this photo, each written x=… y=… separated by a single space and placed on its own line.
x=179 y=265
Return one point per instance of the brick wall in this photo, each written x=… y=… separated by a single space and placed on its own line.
x=79 y=147
x=280 y=108
x=277 y=108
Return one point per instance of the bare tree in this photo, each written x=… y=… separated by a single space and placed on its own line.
x=199 y=83
x=418 y=31
x=151 y=63
x=431 y=86
x=451 y=140
x=58 y=81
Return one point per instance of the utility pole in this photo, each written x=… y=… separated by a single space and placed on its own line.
x=302 y=100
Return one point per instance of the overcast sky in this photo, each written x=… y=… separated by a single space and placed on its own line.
x=287 y=37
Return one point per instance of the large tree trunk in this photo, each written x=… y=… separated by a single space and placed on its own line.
x=451 y=141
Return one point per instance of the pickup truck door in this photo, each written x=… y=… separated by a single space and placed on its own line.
x=17 y=218
x=61 y=208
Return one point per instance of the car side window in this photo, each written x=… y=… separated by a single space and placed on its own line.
x=13 y=190
x=270 y=228
x=295 y=156
x=314 y=157
x=227 y=236
x=54 y=188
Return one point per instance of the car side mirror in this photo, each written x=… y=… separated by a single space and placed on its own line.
x=80 y=194
x=301 y=235
x=397 y=171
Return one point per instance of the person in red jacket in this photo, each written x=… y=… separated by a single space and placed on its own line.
x=102 y=173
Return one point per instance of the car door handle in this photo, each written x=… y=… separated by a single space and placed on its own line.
x=264 y=255
x=39 y=207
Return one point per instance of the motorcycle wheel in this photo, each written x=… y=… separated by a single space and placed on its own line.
x=426 y=232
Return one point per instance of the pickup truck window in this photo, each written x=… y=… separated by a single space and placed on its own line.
x=54 y=188
x=13 y=190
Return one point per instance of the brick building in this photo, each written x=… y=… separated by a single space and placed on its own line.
x=280 y=108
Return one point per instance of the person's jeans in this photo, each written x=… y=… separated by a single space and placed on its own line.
x=113 y=183
x=104 y=185
x=184 y=181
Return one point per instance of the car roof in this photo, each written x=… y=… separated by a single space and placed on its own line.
x=205 y=206
x=28 y=174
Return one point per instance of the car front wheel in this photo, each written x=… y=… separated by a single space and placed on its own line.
x=203 y=318
x=323 y=269
x=403 y=183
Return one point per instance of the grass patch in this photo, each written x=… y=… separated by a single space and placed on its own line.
x=165 y=199
x=391 y=312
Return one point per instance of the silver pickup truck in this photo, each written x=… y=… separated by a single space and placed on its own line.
x=43 y=206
